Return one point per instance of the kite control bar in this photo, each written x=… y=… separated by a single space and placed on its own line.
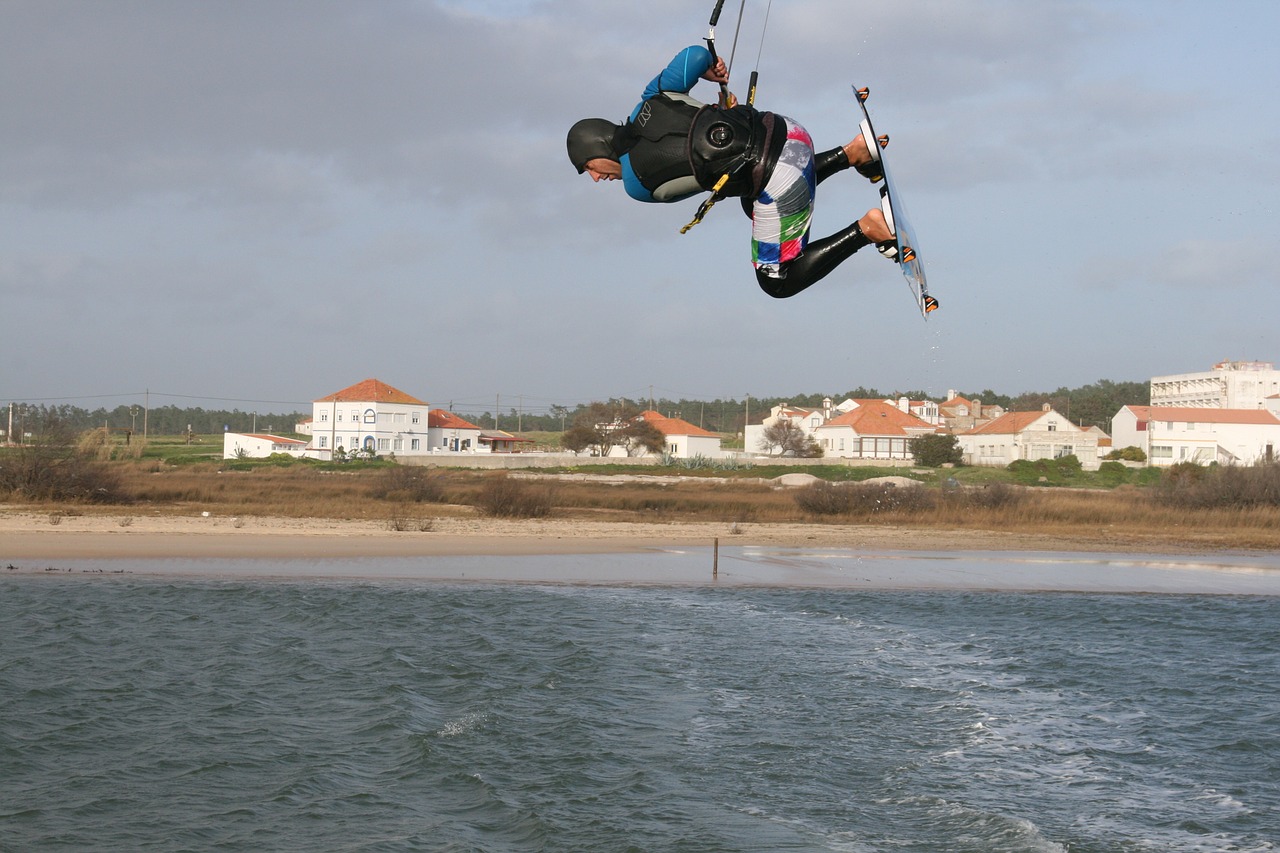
x=711 y=46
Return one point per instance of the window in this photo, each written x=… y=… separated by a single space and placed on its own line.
x=413 y=444
x=413 y=418
x=355 y=416
x=384 y=444
x=370 y=416
x=398 y=444
x=324 y=417
x=1161 y=451
x=323 y=440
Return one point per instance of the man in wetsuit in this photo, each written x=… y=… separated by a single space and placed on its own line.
x=673 y=147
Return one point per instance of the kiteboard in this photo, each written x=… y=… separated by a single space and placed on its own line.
x=895 y=215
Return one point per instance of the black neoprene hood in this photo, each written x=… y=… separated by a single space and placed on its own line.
x=589 y=139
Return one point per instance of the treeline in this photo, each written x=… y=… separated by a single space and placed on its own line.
x=1088 y=405
x=37 y=420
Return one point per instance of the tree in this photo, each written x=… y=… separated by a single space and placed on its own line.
x=934 y=451
x=600 y=426
x=638 y=435
x=789 y=439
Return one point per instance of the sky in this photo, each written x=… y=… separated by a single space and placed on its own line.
x=255 y=203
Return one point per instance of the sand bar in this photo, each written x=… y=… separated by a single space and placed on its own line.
x=33 y=535
x=622 y=553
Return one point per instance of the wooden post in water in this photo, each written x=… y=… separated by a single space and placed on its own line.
x=715 y=560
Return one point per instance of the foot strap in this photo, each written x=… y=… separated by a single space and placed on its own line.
x=872 y=170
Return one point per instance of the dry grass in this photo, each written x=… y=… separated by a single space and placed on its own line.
x=1126 y=515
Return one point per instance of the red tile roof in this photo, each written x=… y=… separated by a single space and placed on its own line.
x=1010 y=423
x=371 y=391
x=447 y=420
x=673 y=426
x=876 y=417
x=1191 y=414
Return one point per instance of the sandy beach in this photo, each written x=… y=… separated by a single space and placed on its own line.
x=26 y=535
x=622 y=553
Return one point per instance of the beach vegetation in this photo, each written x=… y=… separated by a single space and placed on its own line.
x=504 y=496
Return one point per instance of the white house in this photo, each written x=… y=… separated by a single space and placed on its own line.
x=240 y=445
x=683 y=439
x=1029 y=435
x=446 y=432
x=872 y=429
x=370 y=415
x=805 y=418
x=1171 y=434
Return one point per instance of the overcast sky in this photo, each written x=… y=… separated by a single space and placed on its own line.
x=254 y=203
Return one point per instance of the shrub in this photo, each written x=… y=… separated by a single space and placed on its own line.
x=1113 y=473
x=505 y=497
x=1127 y=454
x=934 y=451
x=55 y=469
x=1190 y=486
x=864 y=499
x=409 y=483
x=822 y=498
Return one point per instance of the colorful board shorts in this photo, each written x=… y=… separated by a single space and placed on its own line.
x=783 y=212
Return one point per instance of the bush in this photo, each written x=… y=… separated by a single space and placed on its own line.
x=1127 y=454
x=864 y=499
x=1053 y=471
x=823 y=499
x=1113 y=473
x=1191 y=486
x=991 y=496
x=934 y=451
x=505 y=497
x=409 y=483
x=55 y=469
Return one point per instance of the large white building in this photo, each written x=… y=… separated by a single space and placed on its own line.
x=1229 y=385
x=1171 y=434
x=370 y=415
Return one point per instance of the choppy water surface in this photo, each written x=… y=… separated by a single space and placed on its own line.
x=194 y=714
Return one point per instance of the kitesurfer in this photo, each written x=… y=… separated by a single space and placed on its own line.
x=673 y=147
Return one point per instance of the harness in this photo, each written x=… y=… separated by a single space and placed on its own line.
x=674 y=137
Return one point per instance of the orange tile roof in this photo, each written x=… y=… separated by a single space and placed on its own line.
x=1190 y=414
x=673 y=426
x=1009 y=423
x=371 y=391
x=447 y=420
x=876 y=417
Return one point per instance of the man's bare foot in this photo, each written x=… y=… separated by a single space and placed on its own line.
x=863 y=160
x=874 y=227
x=858 y=152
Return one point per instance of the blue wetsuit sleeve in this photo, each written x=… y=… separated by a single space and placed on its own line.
x=680 y=75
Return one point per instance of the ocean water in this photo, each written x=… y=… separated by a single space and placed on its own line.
x=193 y=712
